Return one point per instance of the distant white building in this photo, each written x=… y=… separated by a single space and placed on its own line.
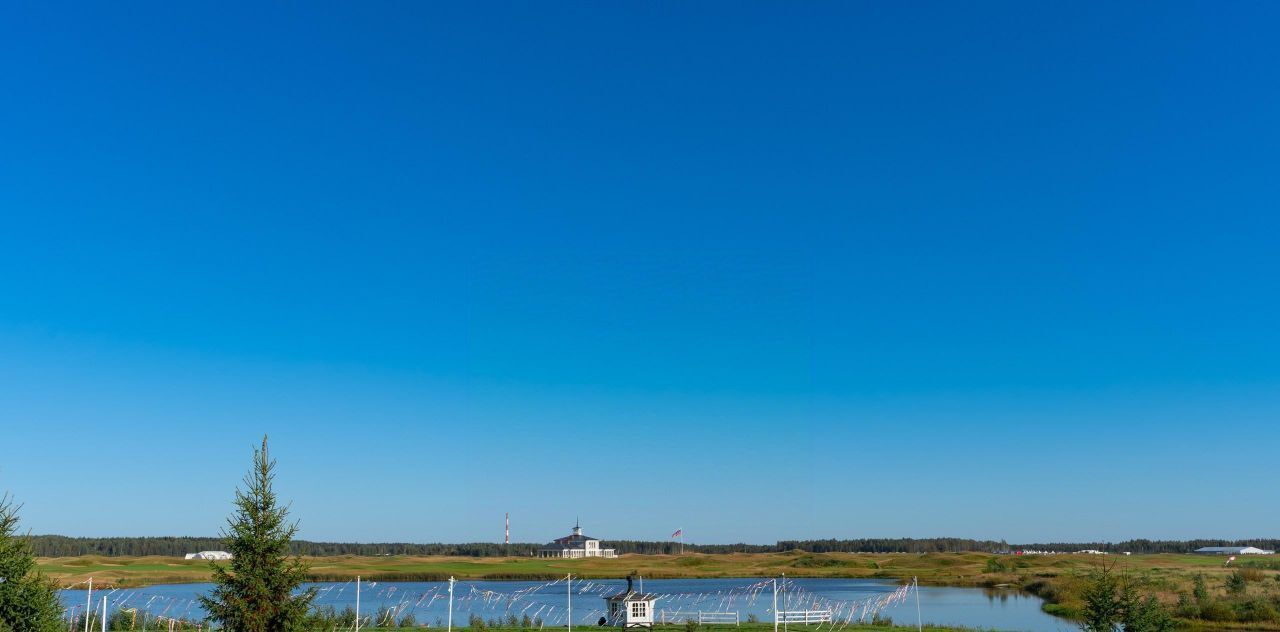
x=576 y=545
x=1232 y=550
x=208 y=555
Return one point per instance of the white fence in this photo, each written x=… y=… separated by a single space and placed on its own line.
x=712 y=618
x=804 y=616
x=708 y=618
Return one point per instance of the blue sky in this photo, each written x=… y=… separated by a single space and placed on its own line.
x=999 y=270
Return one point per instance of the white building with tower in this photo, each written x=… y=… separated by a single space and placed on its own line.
x=576 y=545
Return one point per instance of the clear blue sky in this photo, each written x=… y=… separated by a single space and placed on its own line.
x=823 y=270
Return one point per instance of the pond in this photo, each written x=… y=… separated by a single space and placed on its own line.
x=680 y=599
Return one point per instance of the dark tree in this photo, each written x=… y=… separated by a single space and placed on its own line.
x=1102 y=604
x=28 y=600
x=1145 y=614
x=258 y=590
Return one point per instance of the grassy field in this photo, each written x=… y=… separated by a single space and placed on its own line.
x=951 y=569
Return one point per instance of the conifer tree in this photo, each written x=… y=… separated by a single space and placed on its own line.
x=257 y=591
x=1102 y=605
x=28 y=601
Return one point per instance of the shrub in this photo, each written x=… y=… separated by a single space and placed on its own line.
x=1145 y=615
x=384 y=618
x=1200 y=591
x=1251 y=574
x=1187 y=608
x=691 y=625
x=347 y=618
x=1217 y=611
x=1236 y=584
x=409 y=621
x=753 y=618
x=120 y=620
x=1256 y=610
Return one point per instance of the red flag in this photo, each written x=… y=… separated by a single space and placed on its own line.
x=677 y=533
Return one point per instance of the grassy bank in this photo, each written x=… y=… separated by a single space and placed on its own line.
x=949 y=569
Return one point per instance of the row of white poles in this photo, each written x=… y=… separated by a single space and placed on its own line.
x=568 y=585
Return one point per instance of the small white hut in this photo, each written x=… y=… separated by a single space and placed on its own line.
x=631 y=609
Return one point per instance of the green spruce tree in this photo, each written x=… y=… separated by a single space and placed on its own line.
x=1102 y=603
x=28 y=600
x=1200 y=591
x=258 y=590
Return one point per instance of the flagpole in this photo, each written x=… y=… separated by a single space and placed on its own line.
x=784 y=600
x=775 y=605
x=88 y=605
x=919 y=619
x=450 y=603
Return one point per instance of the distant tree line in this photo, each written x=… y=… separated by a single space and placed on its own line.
x=63 y=546
x=1151 y=546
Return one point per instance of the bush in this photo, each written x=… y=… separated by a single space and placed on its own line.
x=1256 y=610
x=1236 y=584
x=476 y=623
x=120 y=620
x=691 y=625
x=384 y=618
x=1217 y=611
x=409 y=621
x=1187 y=608
x=1200 y=591
x=1145 y=615
x=752 y=618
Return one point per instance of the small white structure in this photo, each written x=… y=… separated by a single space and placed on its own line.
x=576 y=545
x=1232 y=550
x=631 y=609
x=208 y=555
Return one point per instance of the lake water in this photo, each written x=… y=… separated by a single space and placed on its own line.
x=679 y=599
